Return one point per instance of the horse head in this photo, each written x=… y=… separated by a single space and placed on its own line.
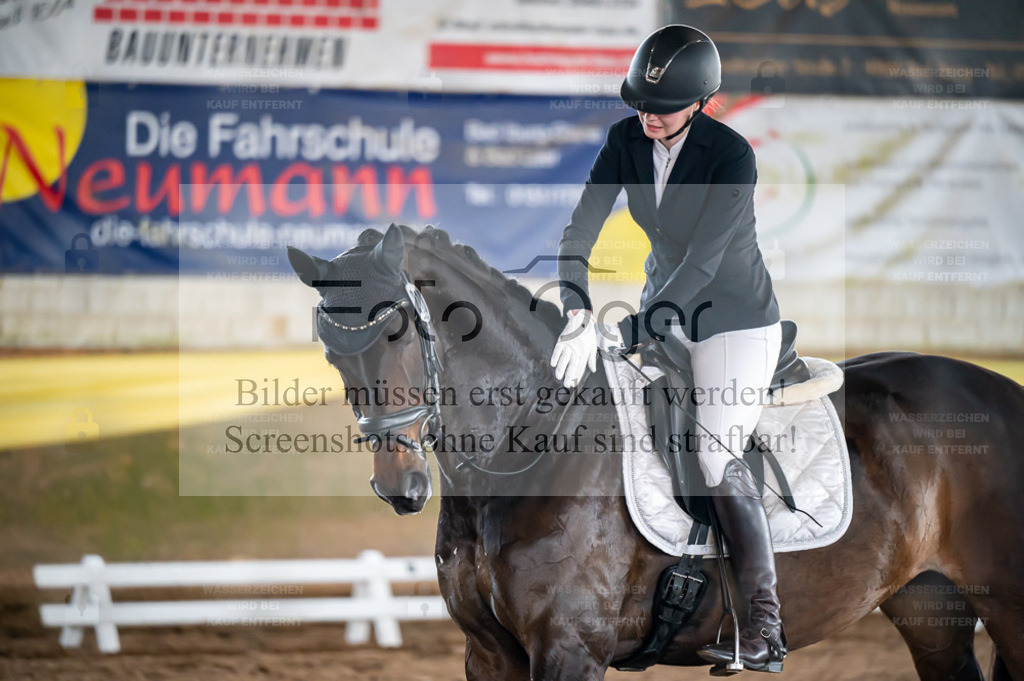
x=426 y=323
x=364 y=323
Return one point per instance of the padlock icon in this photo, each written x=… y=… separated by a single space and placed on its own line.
x=424 y=89
x=81 y=260
x=81 y=428
x=775 y=261
x=81 y=609
x=769 y=85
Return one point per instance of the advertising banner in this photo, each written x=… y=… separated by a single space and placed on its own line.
x=162 y=179
x=932 y=186
x=167 y=179
x=925 y=48
x=555 y=46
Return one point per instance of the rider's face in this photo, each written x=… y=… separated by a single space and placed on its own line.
x=659 y=126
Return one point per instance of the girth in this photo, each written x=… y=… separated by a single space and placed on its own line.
x=680 y=590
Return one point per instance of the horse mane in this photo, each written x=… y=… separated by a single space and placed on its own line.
x=466 y=259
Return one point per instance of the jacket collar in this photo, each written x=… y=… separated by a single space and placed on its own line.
x=692 y=156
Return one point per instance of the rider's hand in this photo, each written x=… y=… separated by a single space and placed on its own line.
x=576 y=348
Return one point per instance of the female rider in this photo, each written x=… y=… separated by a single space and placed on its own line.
x=690 y=183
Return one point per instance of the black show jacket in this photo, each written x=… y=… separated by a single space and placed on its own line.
x=705 y=270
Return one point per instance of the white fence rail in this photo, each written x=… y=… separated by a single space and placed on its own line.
x=90 y=604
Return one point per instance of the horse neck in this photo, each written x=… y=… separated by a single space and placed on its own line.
x=512 y=338
x=512 y=350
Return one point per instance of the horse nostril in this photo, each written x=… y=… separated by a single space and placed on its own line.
x=416 y=485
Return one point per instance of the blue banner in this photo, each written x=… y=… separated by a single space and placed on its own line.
x=166 y=179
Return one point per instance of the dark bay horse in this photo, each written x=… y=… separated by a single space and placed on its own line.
x=538 y=560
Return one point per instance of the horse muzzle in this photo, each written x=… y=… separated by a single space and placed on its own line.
x=413 y=493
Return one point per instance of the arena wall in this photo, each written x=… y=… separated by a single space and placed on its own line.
x=146 y=312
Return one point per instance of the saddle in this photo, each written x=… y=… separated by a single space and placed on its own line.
x=667 y=418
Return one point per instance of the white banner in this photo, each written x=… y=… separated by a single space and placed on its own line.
x=515 y=46
x=934 y=189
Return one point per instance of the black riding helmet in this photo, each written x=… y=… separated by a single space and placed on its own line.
x=674 y=67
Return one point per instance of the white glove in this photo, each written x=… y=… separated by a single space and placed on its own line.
x=576 y=349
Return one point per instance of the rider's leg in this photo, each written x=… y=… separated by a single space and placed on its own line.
x=740 y=364
x=745 y=525
x=732 y=372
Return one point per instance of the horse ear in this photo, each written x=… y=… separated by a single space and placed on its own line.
x=391 y=249
x=309 y=267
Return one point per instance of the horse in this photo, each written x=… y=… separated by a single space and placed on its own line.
x=537 y=558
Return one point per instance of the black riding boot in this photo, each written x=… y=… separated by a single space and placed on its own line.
x=744 y=523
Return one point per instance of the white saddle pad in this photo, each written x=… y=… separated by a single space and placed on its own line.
x=807 y=440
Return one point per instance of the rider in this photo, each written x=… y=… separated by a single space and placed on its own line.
x=690 y=184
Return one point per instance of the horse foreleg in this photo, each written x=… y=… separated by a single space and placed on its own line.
x=566 y=662
x=492 y=653
x=492 y=659
x=937 y=627
x=575 y=647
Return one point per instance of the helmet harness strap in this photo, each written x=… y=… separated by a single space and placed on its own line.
x=685 y=125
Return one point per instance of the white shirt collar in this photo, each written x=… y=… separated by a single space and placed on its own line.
x=661 y=152
x=664 y=161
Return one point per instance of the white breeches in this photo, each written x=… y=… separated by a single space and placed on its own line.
x=732 y=372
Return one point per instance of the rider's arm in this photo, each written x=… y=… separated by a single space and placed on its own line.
x=730 y=193
x=580 y=235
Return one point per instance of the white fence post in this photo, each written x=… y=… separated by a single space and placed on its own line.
x=379 y=589
x=107 y=639
x=72 y=632
x=357 y=632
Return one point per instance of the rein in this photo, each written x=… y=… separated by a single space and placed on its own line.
x=379 y=428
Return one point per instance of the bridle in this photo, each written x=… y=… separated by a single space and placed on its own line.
x=381 y=427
